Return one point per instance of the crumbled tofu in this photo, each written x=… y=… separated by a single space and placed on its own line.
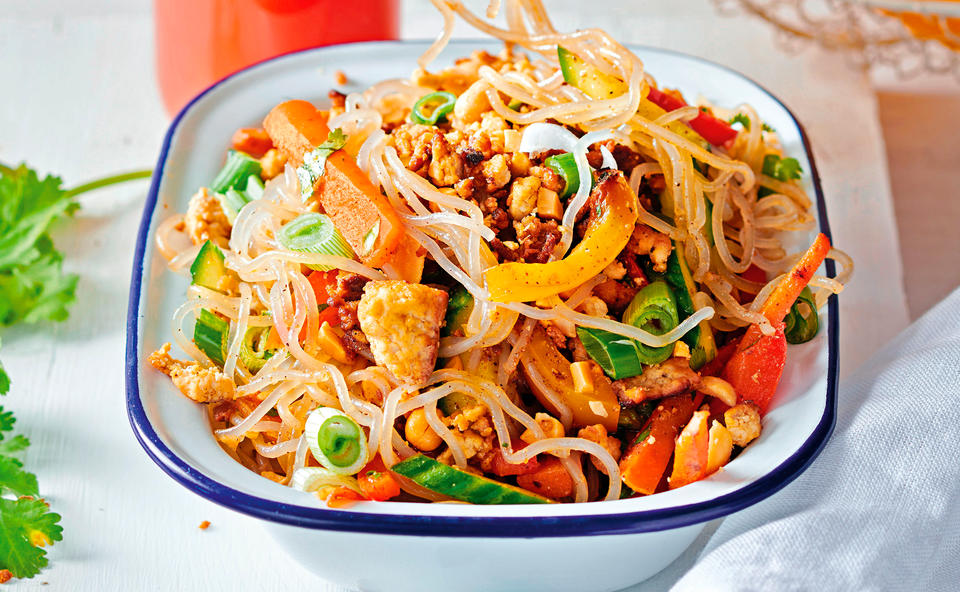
x=272 y=164
x=597 y=433
x=402 y=322
x=205 y=219
x=743 y=423
x=523 y=196
x=203 y=385
x=647 y=241
x=497 y=172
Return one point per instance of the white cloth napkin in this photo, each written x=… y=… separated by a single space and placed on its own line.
x=880 y=508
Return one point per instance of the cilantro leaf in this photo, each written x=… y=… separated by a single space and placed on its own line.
x=784 y=169
x=13 y=445
x=745 y=122
x=33 y=286
x=316 y=159
x=741 y=119
x=4 y=381
x=14 y=479
x=6 y=421
x=26 y=524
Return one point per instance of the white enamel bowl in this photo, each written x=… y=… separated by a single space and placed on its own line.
x=421 y=547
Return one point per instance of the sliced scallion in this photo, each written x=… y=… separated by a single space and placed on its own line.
x=803 y=320
x=314 y=233
x=336 y=440
x=433 y=108
x=235 y=198
x=253 y=354
x=653 y=309
x=616 y=354
x=312 y=479
x=235 y=171
x=565 y=166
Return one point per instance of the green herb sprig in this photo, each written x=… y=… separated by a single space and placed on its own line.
x=33 y=288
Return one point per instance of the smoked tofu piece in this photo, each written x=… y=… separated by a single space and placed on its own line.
x=402 y=322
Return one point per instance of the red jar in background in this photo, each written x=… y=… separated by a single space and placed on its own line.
x=200 y=41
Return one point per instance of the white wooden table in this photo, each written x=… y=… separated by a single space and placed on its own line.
x=78 y=97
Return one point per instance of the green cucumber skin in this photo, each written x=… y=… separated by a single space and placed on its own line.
x=210 y=335
x=208 y=268
x=459 y=307
x=457 y=484
x=454 y=402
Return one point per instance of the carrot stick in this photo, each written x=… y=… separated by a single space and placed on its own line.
x=785 y=294
x=253 y=141
x=346 y=194
x=645 y=461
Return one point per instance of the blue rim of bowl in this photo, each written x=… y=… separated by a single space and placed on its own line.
x=449 y=526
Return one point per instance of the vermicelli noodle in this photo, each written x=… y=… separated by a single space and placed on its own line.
x=515 y=366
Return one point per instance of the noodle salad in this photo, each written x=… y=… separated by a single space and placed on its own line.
x=530 y=277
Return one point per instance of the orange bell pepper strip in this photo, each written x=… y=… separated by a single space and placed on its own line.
x=544 y=359
x=551 y=479
x=691 y=452
x=346 y=194
x=613 y=220
x=645 y=461
x=755 y=368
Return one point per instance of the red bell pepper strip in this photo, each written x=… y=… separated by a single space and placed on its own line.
x=755 y=368
x=645 y=461
x=501 y=468
x=551 y=479
x=340 y=497
x=716 y=131
x=376 y=482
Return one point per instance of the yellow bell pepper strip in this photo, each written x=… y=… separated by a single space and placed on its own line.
x=755 y=368
x=543 y=359
x=600 y=85
x=612 y=220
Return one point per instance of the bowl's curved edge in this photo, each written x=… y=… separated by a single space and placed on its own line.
x=445 y=526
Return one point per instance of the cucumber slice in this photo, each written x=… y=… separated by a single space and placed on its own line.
x=452 y=482
x=454 y=402
x=208 y=268
x=210 y=334
x=459 y=307
x=582 y=75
